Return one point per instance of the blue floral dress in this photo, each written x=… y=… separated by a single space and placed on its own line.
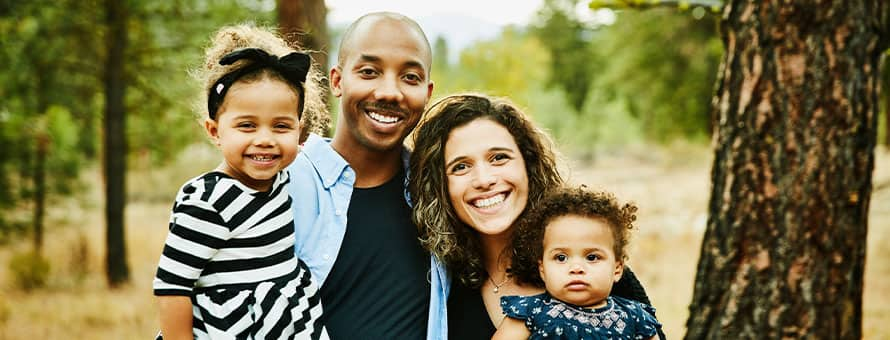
x=549 y=318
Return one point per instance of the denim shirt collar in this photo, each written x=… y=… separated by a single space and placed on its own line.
x=327 y=162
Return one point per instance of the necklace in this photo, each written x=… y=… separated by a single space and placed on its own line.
x=497 y=287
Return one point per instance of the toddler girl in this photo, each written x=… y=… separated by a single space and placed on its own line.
x=228 y=269
x=573 y=244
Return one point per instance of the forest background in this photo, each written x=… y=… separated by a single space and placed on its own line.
x=628 y=101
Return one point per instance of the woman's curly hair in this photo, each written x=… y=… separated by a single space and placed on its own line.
x=528 y=245
x=441 y=232
x=315 y=117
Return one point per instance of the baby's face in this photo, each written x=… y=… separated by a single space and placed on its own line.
x=579 y=263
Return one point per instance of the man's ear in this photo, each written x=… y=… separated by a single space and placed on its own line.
x=212 y=129
x=335 y=78
x=429 y=90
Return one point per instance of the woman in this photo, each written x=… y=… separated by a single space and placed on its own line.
x=470 y=184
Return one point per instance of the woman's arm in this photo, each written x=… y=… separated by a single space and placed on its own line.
x=176 y=317
x=511 y=329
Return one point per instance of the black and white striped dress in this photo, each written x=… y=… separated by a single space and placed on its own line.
x=231 y=249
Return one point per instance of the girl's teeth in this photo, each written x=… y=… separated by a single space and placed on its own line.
x=381 y=118
x=262 y=158
x=487 y=202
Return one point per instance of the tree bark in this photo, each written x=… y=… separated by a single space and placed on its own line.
x=796 y=112
x=305 y=22
x=115 y=143
x=885 y=89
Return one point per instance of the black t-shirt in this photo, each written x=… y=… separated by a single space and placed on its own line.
x=467 y=317
x=378 y=287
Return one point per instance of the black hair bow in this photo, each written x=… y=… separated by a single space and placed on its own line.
x=292 y=67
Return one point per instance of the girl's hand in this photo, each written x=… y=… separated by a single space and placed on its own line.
x=176 y=317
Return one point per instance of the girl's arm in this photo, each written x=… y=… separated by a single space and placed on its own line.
x=176 y=317
x=512 y=329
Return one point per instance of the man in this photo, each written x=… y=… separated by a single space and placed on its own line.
x=353 y=223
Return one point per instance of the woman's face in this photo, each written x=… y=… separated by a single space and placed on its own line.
x=487 y=179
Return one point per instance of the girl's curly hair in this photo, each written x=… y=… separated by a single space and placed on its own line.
x=528 y=245
x=315 y=117
x=441 y=232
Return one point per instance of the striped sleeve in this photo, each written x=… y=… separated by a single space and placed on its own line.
x=197 y=232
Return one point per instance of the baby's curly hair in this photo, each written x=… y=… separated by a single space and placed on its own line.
x=528 y=245
x=315 y=117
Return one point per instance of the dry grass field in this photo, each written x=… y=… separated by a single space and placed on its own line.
x=670 y=185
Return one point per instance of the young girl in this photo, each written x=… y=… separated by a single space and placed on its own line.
x=228 y=269
x=573 y=244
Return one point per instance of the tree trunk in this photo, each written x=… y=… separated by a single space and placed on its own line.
x=885 y=89
x=115 y=143
x=40 y=187
x=305 y=22
x=796 y=108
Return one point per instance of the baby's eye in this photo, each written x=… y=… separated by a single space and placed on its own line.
x=282 y=126
x=246 y=125
x=560 y=258
x=592 y=257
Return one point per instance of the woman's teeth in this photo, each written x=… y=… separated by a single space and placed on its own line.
x=488 y=202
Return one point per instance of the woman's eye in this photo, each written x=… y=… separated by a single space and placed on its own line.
x=500 y=158
x=560 y=257
x=458 y=168
x=592 y=257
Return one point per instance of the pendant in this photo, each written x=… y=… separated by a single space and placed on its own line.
x=496 y=289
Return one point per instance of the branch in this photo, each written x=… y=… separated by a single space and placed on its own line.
x=713 y=5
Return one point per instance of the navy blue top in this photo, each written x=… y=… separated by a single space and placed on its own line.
x=377 y=287
x=549 y=318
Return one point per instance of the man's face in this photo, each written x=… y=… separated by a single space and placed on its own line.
x=383 y=84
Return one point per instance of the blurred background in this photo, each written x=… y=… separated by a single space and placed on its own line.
x=625 y=93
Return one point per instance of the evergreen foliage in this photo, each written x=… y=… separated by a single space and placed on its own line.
x=51 y=82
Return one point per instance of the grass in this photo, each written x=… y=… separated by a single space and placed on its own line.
x=672 y=196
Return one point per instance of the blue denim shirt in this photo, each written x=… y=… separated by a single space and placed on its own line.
x=321 y=186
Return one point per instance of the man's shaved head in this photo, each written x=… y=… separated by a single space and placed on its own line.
x=360 y=25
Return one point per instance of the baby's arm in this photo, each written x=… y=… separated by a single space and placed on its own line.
x=511 y=329
x=176 y=317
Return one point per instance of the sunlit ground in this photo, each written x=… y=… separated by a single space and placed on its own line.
x=671 y=187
